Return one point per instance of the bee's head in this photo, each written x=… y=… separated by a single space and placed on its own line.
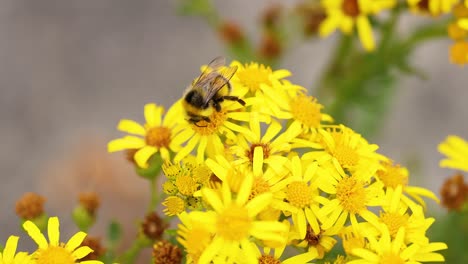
x=195 y=98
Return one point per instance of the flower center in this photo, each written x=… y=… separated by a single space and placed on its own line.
x=306 y=110
x=391 y=258
x=259 y=186
x=206 y=128
x=253 y=76
x=351 y=7
x=267 y=259
x=266 y=151
x=345 y=155
x=54 y=255
x=299 y=194
x=186 y=185
x=393 y=175
x=174 y=205
x=159 y=137
x=351 y=194
x=234 y=223
x=394 y=221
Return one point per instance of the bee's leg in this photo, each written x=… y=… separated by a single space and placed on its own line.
x=234 y=98
x=195 y=119
x=216 y=104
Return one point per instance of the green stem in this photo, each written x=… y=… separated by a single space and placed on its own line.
x=154 y=199
x=129 y=256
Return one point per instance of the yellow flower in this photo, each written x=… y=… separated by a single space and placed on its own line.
x=456 y=150
x=350 y=196
x=9 y=256
x=319 y=243
x=298 y=196
x=157 y=135
x=345 y=14
x=459 y=53
x=233 y=222
x=55 y=251
x=270 y=149
x=433 y=7
x=393 y=175
x=388 y=250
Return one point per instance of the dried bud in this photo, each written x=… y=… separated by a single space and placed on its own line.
x=166 y=253
x=231 y=33
x=267 y=259
x=95 y=244
x=129 y=155
x=270 y=47
x=153 y=226
x=454 y=192
x=271 y=15
x=312 y=17
x=30 y=206
x=90 y=201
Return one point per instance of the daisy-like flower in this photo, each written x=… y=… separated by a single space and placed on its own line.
x=9 y=255
x=298 y=195
x=270 y=149
x=55 y=251
x=395 y=215
x=156 y=136
x=349 y=196
x=393 y=176
x=347 y=150
x=233 y=222
x=433 y=7
x=388 y=250
x=456 y=150
x=346 y=14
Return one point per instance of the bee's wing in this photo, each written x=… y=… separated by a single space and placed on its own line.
x=218 y=80
x=214 y=65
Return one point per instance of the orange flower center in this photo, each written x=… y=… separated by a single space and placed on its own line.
x=159 y=137
x=351 y=7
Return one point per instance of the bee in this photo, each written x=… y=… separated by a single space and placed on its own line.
x=209 y=90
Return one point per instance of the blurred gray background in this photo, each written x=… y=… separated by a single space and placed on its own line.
x=69 y=70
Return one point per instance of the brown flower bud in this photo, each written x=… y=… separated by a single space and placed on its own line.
x=153 y=226
x=95 y=244
x=271 y=15
x=231 y=32
x=454 y=192
x=30 y=206
x=270 y=47
x=166 y=253
x=90 y=201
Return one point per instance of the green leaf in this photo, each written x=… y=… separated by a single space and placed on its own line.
x=114 y=232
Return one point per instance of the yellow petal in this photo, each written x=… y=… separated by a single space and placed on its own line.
x=153 y=115
x=10 y=249
x=75 y=241
x=36 y=235
x=82 y=252
x=53 y=231
x=365 y=33
x=127 y=142
x=143 y=155
x=131 y=127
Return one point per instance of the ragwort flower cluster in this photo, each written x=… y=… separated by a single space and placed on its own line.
x=253 y=179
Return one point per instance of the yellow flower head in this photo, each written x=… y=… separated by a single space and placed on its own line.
x=456 y=150
x=388 y=250
x=55 y=251
x=9 y=255
x=233 y=222
x=433 y=7
x=347 y=14
x=157 y=135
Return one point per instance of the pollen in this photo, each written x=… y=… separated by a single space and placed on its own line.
x=174 y=205
x=299 y=194
x=306 y=110
x=254 y=75
x=54 y=255
x=159 y=137
x=266 y=151
x=391 y=258
x=394 y=221
x=393 y=175
x=186 y=185
x=267 y=259
x=259 y=186
x=351 y=194
x=206 y=128
x=345 y=155
x=234 y=223
x=351 y=8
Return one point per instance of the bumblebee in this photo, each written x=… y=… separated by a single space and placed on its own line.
x=209 y=90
